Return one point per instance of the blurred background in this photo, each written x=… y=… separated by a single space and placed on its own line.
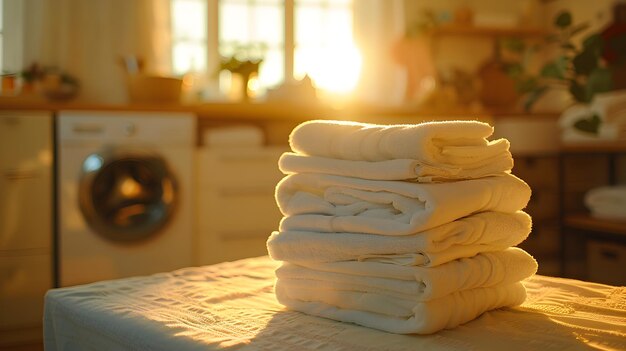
x=182 y=108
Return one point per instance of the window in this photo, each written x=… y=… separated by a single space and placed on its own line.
x=2 y=68
x=324 y=47
x=293 y=38
x=11 y=35
x=189 y=36
x=253 y=30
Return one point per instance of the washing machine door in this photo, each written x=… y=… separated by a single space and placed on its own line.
x=127 y=195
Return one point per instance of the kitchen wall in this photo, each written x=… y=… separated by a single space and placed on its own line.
x=87 y=39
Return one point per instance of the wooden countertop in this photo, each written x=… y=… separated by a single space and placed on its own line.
x=274 y=111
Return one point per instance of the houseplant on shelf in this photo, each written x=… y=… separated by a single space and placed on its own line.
x=597 y=66
x=586 y=71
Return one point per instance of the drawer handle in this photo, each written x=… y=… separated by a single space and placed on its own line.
x=16 y=174
x=609 y=255
x=86 y=128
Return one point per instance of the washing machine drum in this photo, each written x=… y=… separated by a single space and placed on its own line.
x=127 y=195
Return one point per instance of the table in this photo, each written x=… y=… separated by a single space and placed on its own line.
x=232 y=306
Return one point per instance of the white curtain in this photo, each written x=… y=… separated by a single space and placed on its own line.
x=378 y=24
x=88 y=38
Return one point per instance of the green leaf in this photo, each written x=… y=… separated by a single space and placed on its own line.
x=533 y=97
x=563 y=20
x=526 y=85
x=600 y=80
x=593 y=43
x=589 y=125
x=578 y=92
x=585 y=62
x=555 y=69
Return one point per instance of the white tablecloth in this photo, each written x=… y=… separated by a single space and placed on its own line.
x=232 y=306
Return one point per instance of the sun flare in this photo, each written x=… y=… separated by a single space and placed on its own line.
x=334 y=70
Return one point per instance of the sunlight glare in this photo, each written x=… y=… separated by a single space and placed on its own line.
x=335 y=69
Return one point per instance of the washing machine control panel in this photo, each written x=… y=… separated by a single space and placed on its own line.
x=152 y=128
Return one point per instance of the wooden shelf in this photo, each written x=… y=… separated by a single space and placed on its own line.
x=586 y=222
x=595 y=147
x=450 y=30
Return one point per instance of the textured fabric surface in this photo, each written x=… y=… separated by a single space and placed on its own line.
x=395 y=314
x=418 y=283
x=395 y=169
x=233 y=306
x=465 y=237
x=327 y=203
x=442 y=143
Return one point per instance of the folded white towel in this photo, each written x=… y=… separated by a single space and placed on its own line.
x=327 y=203
x=400 y=316
x=396 y=169
x=465 y=237
x=413 y=283
x=607 y=202
x=443 y=143
x=610 y=128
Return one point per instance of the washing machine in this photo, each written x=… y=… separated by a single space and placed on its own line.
x=124 y=194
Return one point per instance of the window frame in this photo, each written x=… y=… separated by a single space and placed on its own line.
x=213 y=54
x=213 y=57
x=12 y=36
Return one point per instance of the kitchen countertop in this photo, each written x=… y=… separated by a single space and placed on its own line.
x=275 y=111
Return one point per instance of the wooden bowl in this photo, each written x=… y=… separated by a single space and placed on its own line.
x=154 y=89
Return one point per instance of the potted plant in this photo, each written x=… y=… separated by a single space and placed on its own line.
x=598 y=65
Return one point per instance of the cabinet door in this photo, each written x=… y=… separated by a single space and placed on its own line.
x=24 y=281
x=606 y=262
x=25 y=180
x=25 y=139
x=235 y=203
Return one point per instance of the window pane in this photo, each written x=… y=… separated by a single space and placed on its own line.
x=1 y=36
x=338 y=25
x=307 y=23
x=189 y=36
x=233 y=23
x=324 y=45
x=189 y=19
x=327 y=3
x=252 y=30
x=267 y=22
x=189 y=57
x=271 y=72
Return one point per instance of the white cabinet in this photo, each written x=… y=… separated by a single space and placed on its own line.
x=236 y=207
x=25 y=180
x=25 y=222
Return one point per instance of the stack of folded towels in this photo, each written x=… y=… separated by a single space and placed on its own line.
x=403 y=228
